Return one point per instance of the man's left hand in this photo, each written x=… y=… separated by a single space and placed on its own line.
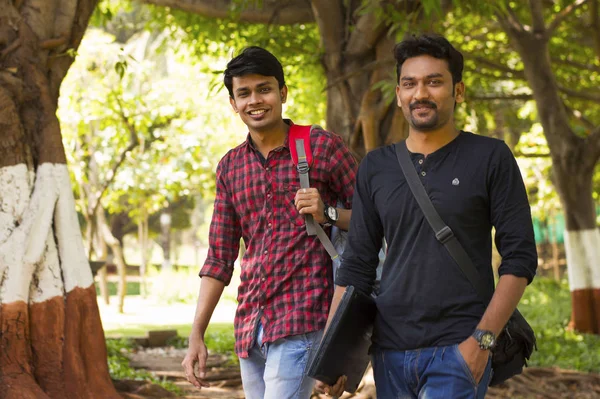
x=308 y=202
x=475 y=357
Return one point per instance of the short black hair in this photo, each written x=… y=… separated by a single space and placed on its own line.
x=432 y=45
x=253 y=60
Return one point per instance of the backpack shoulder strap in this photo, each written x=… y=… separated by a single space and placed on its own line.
x=300 y=134
x=300 y=150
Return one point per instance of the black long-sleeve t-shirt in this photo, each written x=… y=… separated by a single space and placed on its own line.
x=475 y=184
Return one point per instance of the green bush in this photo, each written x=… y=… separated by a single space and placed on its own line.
x=119 y=368
x=131 y=288
x=547 y=306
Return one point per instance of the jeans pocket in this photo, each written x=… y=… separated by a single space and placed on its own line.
x=461 y=360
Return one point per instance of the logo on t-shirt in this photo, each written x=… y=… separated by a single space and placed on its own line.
x=455 y=182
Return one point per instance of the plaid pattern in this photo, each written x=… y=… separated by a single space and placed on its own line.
x=285 y=275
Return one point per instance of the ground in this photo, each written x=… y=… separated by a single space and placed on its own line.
x=538 y=383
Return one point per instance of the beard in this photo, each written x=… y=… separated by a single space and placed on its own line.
x=424 y=124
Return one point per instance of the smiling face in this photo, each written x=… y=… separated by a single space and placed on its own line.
x=426 y=94
x=258 y=100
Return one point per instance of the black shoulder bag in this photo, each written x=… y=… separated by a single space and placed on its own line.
x=517 y=340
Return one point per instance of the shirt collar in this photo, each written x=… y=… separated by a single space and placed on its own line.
x=286 y=143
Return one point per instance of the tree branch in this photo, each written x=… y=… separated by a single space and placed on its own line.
x=502 y=97
x=537 y=16
x=53 y=43
x=134 y=141
x=278 y=12
x=510 y=20
x=367 y=68
x=575 y=64
x=516 y=73
x=562 y=15
x=595 y=24
x=519 y=154
x=581 y=95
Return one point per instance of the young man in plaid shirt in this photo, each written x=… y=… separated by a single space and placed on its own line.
x=286 y=279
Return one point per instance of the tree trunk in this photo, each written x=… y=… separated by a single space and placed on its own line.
x=165 y=238
x=358 y=55
x=117 y=251
x=52 y=339
x=143 y=240
x=582 y=244
x=573 y=162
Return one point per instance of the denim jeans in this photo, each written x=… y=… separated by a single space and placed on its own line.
x=276 y=370
x=429 y=373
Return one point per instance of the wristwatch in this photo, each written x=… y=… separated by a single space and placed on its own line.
x=331 y=215
x=485 y=338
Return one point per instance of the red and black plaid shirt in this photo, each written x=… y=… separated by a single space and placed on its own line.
x=286 y=277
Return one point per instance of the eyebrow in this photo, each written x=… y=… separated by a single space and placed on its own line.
x=258 y=86
x=430 y=76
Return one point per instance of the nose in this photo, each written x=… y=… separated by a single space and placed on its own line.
x=255 y=98
x=421 y=93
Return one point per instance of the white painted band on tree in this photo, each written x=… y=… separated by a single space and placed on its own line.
x=74 y=262
x=16 y=183
x=583 y=252
x=28 y=247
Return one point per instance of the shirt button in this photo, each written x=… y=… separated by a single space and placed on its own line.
x=267 y=168
x=270 y=224
x=264 y=279
x=262 y=306
x=423 y=173
x=266 y=252
x=420 y=162
x=269 y=195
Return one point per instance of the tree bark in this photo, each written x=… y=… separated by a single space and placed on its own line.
x=573 y=161
x=52 y=340
x=358 y=55
x=118 y=258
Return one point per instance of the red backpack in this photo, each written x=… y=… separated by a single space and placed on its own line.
x=299 y=142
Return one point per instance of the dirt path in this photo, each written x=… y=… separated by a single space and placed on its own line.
x=535 y=383
x=223 y=376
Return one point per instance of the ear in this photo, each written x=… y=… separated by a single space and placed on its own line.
x=283 y=92
x=398 y=96
x=459 y=92
x=232 y=102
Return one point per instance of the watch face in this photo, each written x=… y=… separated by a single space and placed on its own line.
x=487 y=340
x=332 y=213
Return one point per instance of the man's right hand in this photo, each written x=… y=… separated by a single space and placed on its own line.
x=196 y=354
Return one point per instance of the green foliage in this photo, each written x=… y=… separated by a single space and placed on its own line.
x=297 y=46
x=119 y=369
x=547 y=306
x=130 y=122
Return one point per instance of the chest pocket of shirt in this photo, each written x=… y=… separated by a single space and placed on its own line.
x=287 y=193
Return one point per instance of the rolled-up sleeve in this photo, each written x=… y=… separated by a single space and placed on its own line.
x=224 y=234
x=343 y=172
x=511 y=216
x=361 y=256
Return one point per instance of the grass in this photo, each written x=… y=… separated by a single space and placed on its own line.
x=131 y=288
x=547 y=306
x=140 y=330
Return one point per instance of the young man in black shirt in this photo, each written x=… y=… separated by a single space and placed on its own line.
x=427 y=339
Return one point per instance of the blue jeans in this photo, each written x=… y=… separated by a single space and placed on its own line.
x=276 y=370
x=429 y=373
